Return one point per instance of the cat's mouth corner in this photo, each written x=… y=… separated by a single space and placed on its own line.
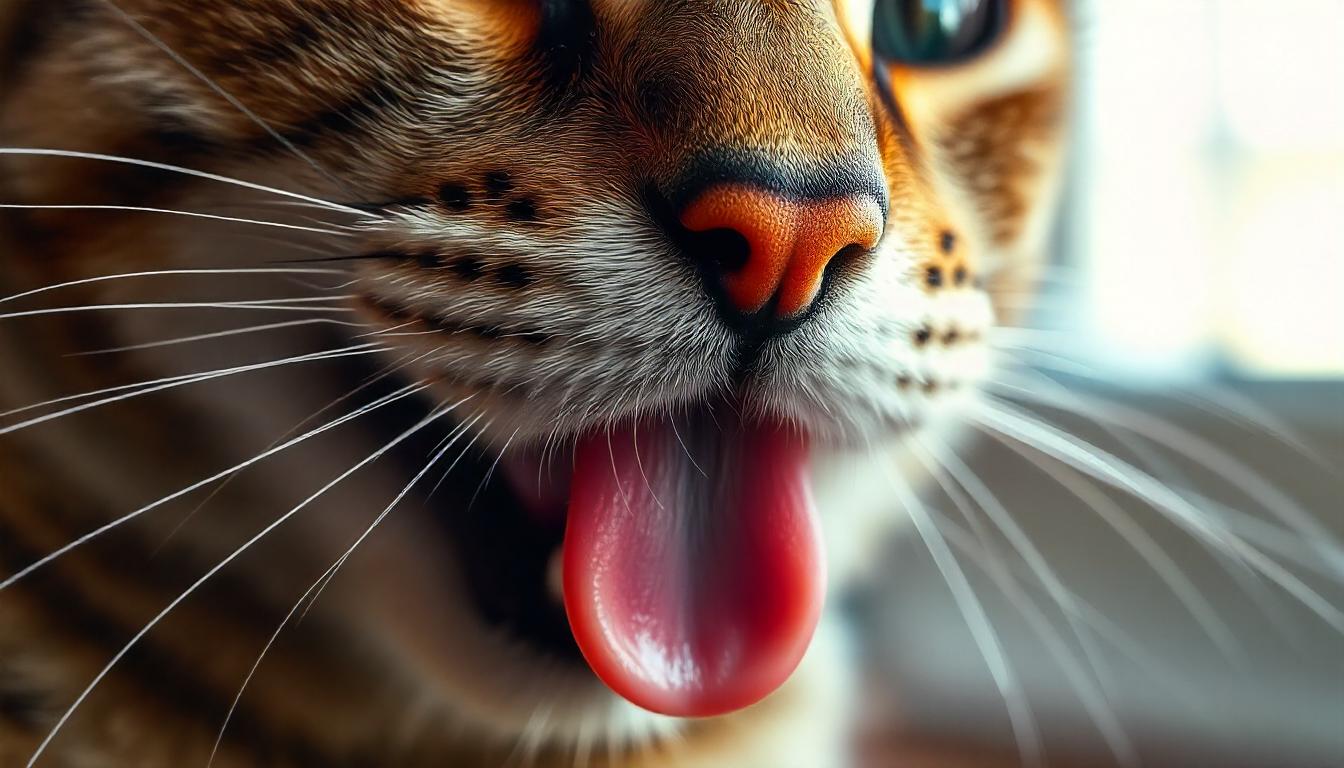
x=679 y=556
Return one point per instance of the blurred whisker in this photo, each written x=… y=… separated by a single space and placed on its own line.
x=1138 y=539
x=1245 y=577
x=986 y=638
x=1237 y=473
x=1059 y=361
x=1102 y=626
x=1104 y=466
x=1091 y=691
x=1208 y=398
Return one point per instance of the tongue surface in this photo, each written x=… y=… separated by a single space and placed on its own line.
x=693 y=570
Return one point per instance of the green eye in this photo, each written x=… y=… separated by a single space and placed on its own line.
x=932 y=32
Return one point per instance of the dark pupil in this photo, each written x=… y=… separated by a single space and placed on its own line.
x=930 y=31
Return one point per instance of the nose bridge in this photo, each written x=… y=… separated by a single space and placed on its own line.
x=757 y=74
x=789 y=242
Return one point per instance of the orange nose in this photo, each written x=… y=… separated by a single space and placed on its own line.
x=789 y=242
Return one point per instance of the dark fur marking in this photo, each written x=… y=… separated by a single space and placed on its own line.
x=923 y=335
x=933 y=277
x=522 y=209
x=947 y=241
x=275 y=49
x=455 y=197
x=401 y=315
x=469 y=268
x=986 y=146
x=498 y=184
x=515 y=276
x=959 y=277
x=429 y=260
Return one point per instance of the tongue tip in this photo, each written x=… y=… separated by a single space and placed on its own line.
x=756 y=678
x=697 y=651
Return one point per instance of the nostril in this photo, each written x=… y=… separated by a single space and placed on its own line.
x=723 y=250
x=791 y=245
x=846 y=259
x=767 y=253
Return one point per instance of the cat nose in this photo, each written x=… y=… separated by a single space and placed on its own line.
x=771 y=252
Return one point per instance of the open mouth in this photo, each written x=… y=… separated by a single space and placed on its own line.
x=679 y=554
x=692 y=567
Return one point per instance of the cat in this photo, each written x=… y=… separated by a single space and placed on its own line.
x=480 y=382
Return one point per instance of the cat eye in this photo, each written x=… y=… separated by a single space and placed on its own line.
x=934 y=32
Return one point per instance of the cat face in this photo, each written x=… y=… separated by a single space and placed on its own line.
x=590 y=238
x=547 y=175
x=756 y=231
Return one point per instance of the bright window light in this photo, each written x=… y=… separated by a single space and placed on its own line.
x=1211 y=203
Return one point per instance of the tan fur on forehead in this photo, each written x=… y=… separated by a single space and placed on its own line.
x=767 y=75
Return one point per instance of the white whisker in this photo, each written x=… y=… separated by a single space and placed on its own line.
x=66 y=153
x=316 y=588
x=1101 y=625
x=174 y=212
x=9 y=581
x=176 y=381
x=1089 y=692
x=218 y=335
x=224 y=94
x=135 y=639
x=1138 y=539
x=175 y=272
x=274 y=305
x=982 y=630
x=1105 y=466
x=1233 y=471
x=119 y=387
x=389 y=370
x=1235 y=567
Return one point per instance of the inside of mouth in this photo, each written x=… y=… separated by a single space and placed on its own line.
x=692 y=568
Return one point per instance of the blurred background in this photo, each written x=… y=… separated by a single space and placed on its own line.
x=1199 y=291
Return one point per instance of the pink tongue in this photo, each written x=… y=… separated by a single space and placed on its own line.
x=693 y=587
